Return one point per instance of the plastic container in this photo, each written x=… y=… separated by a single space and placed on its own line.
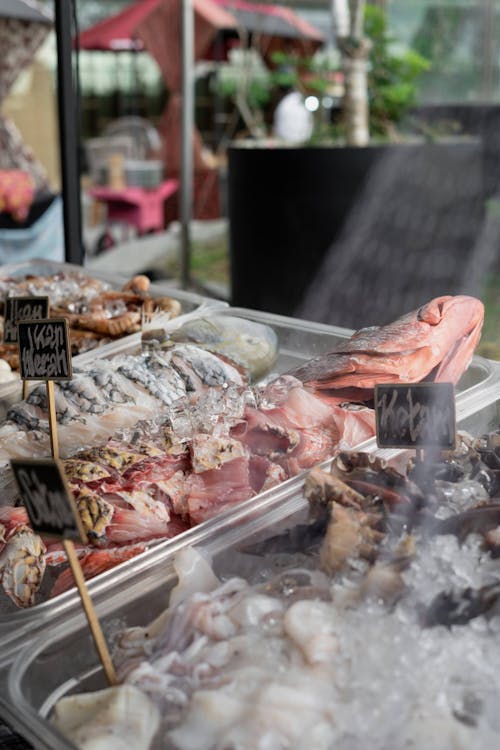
x=63 y=659
x=192 y=304
x=144 y=173
x=99 y=150
x=298 y=340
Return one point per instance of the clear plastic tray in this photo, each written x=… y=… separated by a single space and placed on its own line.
x=192 y=304
x=299 y=340
x=63 y=659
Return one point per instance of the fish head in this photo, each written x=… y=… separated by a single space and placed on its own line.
x=456 y=333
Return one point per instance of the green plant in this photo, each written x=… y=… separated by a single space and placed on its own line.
x=246 y=81
x=257 y=89
x=392 y=77
x=392 y=80
x=301 y=72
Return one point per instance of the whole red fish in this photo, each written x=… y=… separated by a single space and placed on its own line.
x=435 y=342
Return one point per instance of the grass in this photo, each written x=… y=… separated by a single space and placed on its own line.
x=209 y=262
x=489 y=346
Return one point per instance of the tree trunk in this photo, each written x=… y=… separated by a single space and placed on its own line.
x=355 y=101
x=355 y=49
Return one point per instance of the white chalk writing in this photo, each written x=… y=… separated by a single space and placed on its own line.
x=410 y=418
x=48 y=509
x=44 y=353
x=19 y=309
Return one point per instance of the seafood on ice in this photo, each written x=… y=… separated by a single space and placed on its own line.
x=104 y=713
x=382 y=603
x=96 y=314
x=197 y=440
x=107 y=394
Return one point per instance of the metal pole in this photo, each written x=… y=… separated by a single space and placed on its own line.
x=68 y=135
x=187 y=137
x=219 y=115
x=488 y=49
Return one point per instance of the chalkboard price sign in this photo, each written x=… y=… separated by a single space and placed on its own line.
x=416 y=415
x=17 y=309
x=48 y=499
x=44 y=349
x=52 y=513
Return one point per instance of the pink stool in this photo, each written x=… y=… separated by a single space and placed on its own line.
x=139 y=207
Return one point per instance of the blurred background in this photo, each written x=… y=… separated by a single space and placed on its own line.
x=324 y=223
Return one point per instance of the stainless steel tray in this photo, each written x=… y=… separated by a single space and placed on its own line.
x=34 y=681
x=192 y=304
x=63 y=659
x=298 y=341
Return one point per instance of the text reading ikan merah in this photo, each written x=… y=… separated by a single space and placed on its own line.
x=44 y=350
x=421 y=414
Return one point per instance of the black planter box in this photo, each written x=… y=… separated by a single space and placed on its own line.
x=354 y=236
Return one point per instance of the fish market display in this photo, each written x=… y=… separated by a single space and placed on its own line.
x=107 y=394
x=96 y=314
x=174 y=436
x=134 y=487
x=373 y=622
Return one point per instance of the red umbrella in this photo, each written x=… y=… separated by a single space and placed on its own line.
x=118 y=32
x=272 y=21
x=161 y=34
x=274 y=27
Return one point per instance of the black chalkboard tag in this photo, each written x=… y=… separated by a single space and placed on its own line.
x=44 y=349
x=17 y=309
x=53 y=513
x=45 y=354
x=48 y=499
x=415 y=415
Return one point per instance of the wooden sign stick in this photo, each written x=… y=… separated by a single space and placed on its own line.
x=51 y=406
x=44 y=354
x=95 y=628
x=53 y=513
